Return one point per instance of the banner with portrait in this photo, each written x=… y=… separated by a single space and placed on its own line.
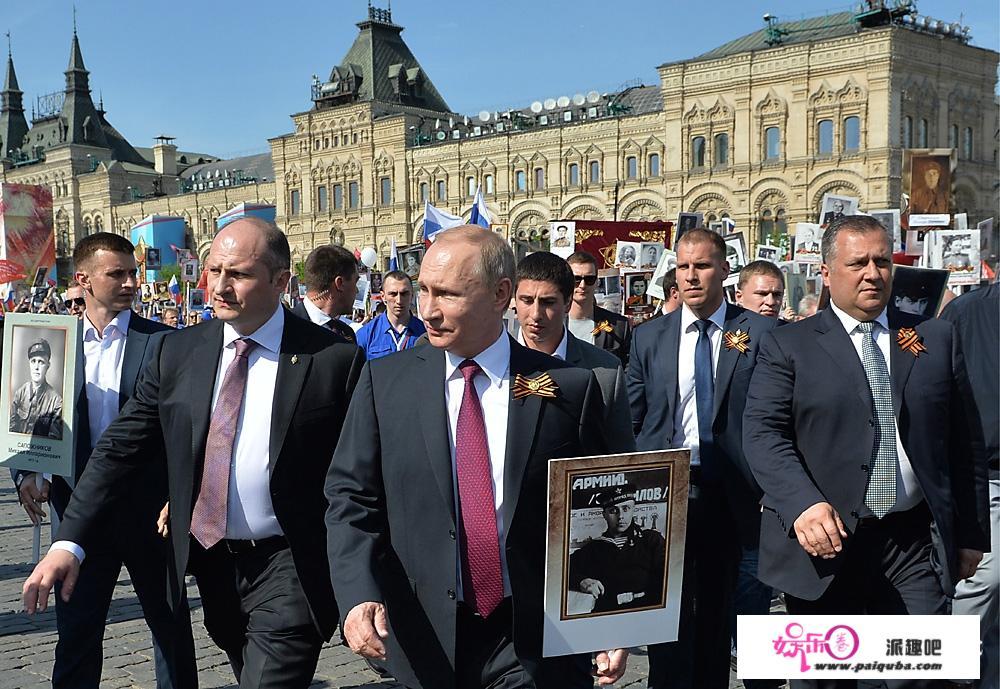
x=615 y=551
x=38 y=392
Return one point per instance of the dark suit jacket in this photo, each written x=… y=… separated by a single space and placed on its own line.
x=809 y=431
x=392 y=523
x=654 y=395
x=170 y=413
x=619 y=340
x=340 y=327
x=607 y=369
x=976 y=316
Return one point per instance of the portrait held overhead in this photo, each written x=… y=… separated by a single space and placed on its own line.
x=684 y=380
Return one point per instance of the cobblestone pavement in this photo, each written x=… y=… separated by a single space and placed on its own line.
x=27 y=644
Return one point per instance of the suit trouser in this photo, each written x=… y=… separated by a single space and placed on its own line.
x=79 y=653
x=281 y=644
x=485 y=657
x=700 y=656
x=886 y=571
x=979 y=595
x=226 y=623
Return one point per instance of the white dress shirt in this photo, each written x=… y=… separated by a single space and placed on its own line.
x=315 y=315
x=559 y=353
x=494 y=396
x=250 y=513
x=103 y=355
x=686 y=413
x=908 y=493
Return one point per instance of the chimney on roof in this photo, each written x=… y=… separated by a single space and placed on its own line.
x=165 y=156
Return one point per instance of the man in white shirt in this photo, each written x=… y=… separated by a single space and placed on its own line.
x=588 y=321
x=687 y=377
x=251 y=404
x=437 y=490
x=331 y=277
x=116 y=345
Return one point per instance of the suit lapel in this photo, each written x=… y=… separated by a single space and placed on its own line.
x=728 y=358
x=900 y=365
x=434 y=422
x=573 y=356
x=837 y=343
x=200 y=373
x=665 y=367
x=293 y=369
x=522 y=422
x=135 y=351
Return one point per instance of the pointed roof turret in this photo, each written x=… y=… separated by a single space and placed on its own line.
x=13 y=126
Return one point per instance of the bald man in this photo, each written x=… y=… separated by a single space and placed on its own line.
x=245 y=497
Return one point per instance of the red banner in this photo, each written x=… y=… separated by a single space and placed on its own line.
x=598 y=237
x=10 y=271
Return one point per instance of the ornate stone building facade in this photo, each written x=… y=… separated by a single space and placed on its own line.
x=758 y=129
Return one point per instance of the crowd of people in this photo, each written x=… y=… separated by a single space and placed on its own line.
x=389 y=479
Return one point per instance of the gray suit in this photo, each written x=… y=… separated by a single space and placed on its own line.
x=607 y=368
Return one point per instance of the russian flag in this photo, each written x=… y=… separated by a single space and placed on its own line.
x=175 y=289
x=393 y=256
x=436 y=220
x=480 y=215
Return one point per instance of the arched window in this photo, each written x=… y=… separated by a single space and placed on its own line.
x=520 y=181
x=772 y=140
x=442 y=190
x=631 y=167
x=922 y=133
x=907 y=132
x=98 y=224
x=953 y=136
x=698 y=152
x=766 y=226
x=353 y=195
x=539 y=178
x=470 y=186
x=780 y=223
x=294 y=202
x=86 y=227
x=824 y=137
x=338 y=196
x=321 y=200
x=852 y=134
x=654 y=164
x=424 y=192
x=488 y=180
x=595 y=172
x=385 y=191
x=967 y=143
x=574 y=175
x=721 y=146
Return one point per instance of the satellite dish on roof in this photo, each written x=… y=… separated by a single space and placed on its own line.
x=579 y=99
x=593 y=97
x=550 y=103
x=441 y=136
x=536 y=107
x=484 y=115
x=563 y=101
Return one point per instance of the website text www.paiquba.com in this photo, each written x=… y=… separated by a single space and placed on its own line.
x=877 y=667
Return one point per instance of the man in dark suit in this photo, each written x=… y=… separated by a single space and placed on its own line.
x=331 y=274
x=438 y=568
x=687 y=378
x=864 y=441
x=542 y=296
x=247 y=410
x=117 y=345
x=590 y=323
x=976 y=316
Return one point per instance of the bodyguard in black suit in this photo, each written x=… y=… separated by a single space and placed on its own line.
x=867 y=448
x=415 y=493
x=331 y=274
x=114 y=339
x=244 y=479
x=687 y=378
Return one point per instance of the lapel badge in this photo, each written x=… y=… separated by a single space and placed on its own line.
x=909 y=341
x=739 y=340
x=542 y=386
x=295 y=358
x=602 y=327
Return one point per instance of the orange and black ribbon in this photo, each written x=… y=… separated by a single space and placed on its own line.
x=543 y=386
x=909 y=341
x=739 y=340
x=602 y=327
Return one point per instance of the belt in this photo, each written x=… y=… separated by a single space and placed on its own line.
x=261 y=546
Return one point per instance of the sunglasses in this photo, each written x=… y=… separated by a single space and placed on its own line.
x=79 y=301
x=586 y=279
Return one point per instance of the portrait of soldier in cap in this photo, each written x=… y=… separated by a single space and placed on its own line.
x=36 y=407
x=623 y=568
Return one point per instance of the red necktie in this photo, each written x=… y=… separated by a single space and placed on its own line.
x=208 y=521
x=482 y=582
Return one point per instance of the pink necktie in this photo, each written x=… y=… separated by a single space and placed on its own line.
x=208 y=521
x=482 y=582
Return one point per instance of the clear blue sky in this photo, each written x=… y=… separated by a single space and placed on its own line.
x=223 y=76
